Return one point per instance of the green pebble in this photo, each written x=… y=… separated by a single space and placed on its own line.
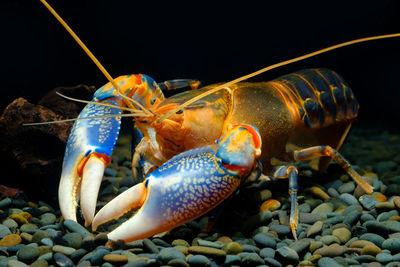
x=74 y=240
x=64 y=250
x=15 y=263
x=265 y=240
x=39 y=235
x=300 y=245
x=393 y=226
x=40 y=263
x=272 y=262
x=78 y=254
x=5 y=202
x=77 y=228
x=47 y=242
x=392 y=244
x=288 y=253
x=198 y=260
x=374 y=238
x=325 y=261
x=386 y=215
x=12 y=211
x=4 y=231
x=252 y=260
x=47 y=256
x=323 y=208
x=232 y=260
x=11 y=224
x=150 y=246
x=29 y=228
x=47 y=219
x=177 y=263
x=167 y=254
x=206 y=243
x=384 y=258
x=97 y=257
x=329 y=239
x=28 y=254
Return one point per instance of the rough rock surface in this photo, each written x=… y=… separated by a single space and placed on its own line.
x=32 y=155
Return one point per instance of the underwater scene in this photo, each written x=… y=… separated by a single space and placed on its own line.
x=231 y=150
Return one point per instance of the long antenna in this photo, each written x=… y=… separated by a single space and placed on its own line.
x=274 y=66
x=90 y=54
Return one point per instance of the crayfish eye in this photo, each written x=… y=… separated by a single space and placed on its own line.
x=179 y=111
x=153 y=100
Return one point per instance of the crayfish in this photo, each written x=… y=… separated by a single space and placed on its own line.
x=199 y=146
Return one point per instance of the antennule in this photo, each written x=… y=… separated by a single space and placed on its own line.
x=274 y=66
x=98 y=103
x=83 y=118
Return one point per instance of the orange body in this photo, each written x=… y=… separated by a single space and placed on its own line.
x=299 y=110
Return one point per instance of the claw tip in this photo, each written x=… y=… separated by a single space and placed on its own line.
x=293 y=228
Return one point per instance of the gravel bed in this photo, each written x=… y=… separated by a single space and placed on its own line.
x=338 y=224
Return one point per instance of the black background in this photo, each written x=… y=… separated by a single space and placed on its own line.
x=213 y=42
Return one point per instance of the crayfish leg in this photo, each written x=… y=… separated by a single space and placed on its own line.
x=322 y=151
x=179 y=83
x=291 y=173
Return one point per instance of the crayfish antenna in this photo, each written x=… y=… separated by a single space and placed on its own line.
x=94 y=59
x=274 y=66
x=133 y=110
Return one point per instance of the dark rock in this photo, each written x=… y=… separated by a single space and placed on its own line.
x=272 y=262
x=63 y=261
x=252 y=260
x=377 y=227
x=280 y=229
x=32 y=151
x=265 y=240
x=287 y=254
x=150 y=246
x=97 y=257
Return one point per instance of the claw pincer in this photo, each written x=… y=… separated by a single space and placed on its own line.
x=92 y=140
x=185 y=187
x=88 y=152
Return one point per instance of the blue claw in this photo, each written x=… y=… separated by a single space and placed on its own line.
x=88 y=152
x=182 y=189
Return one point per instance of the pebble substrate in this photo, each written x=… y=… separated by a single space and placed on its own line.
x=338 y=224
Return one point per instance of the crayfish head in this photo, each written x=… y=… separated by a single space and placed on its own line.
x=132 y=89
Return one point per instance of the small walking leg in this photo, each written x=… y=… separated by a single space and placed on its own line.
x=179 y=83
x=321 y=151
x=291 y=173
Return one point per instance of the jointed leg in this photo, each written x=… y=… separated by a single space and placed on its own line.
x=291 y=172
x=179 y=83
x=321 y=151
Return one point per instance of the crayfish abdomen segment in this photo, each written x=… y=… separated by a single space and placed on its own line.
x=306 y=108
x=320 y=96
